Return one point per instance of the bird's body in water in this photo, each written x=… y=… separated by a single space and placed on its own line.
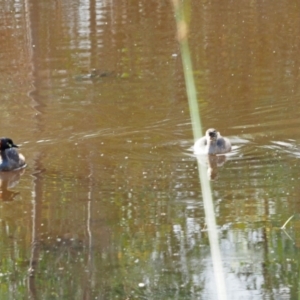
x=212 y=143
x=11 y=159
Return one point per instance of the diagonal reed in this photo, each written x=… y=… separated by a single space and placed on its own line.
x=182 y=33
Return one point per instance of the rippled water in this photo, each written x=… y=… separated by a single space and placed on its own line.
x=110 y=204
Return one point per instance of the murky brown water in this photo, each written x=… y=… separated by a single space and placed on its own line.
x=110 y=206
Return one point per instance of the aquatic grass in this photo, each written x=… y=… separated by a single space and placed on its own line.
x=289 y=219
x=182 y=9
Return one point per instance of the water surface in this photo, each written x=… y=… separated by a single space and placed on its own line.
x=110 y=204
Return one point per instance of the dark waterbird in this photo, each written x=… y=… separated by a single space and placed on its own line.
x=11 y=159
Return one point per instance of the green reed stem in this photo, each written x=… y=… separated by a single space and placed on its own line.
x=191 y=90
x=182 y=33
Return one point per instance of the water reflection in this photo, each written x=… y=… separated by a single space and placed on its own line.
x=212 y=162
x=9 y=180
x=110 y=204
